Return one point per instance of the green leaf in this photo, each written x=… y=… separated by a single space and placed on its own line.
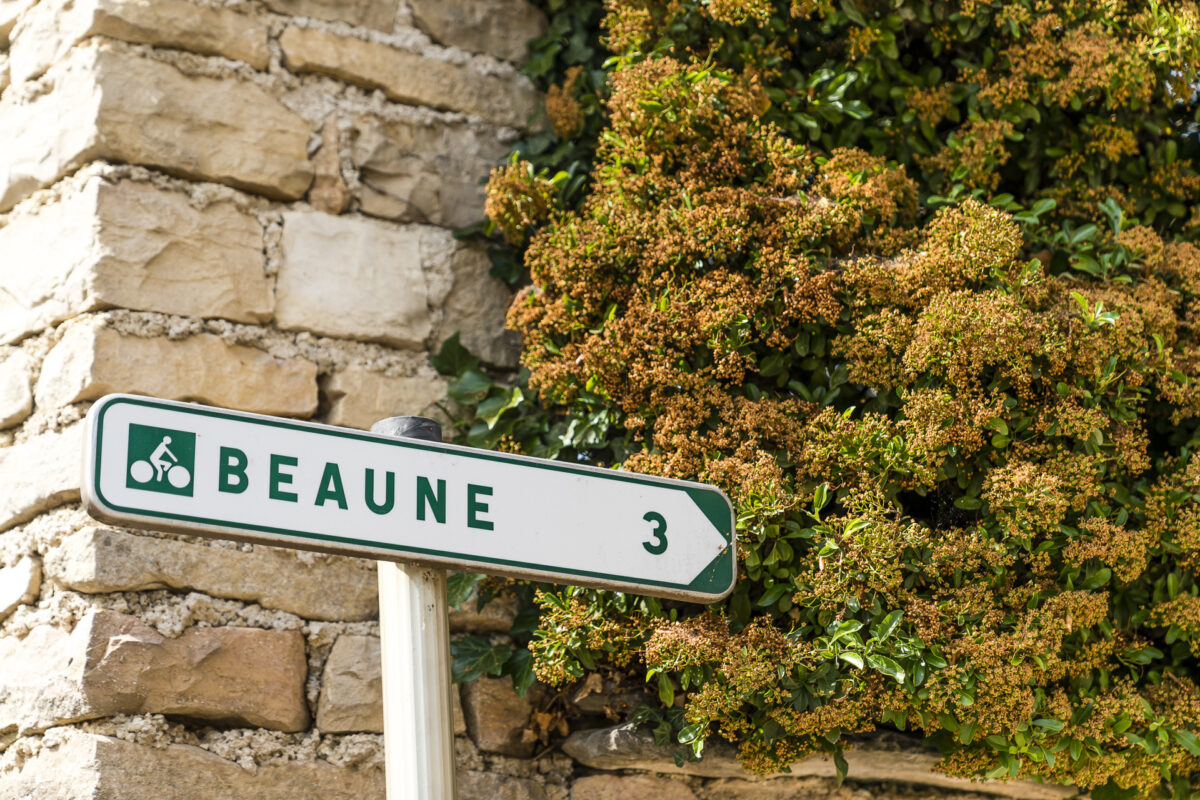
x=666 y=692
x=471 y=387
x=491 y=409
x=887 y=666
x=840 y=765
x=475 y=656
x=1052 y=725
x=853 y=659
x=888 y=624
x=460 y=586
x=1188 y=741
x=520 y=666
x=850 y=9
x=691 y=733
x=453 y=358
x=849 y=626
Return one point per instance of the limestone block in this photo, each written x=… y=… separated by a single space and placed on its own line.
x=10 y=12
x=134 y=246
x=496 y=27
x=361 y=279
x=629 y=787
x=329 y=192
x=417 y=172
x=476 y=309
x=378 y=14
x=113 y=663
x=87 y=766
x=497 y=717
x=52 y=27
x=100 y=560
x=16 y=397
x=474 y=785
x=19 y=584
x=627 y=747
x=117 y=106
x=497 y=616
x=352 y=689
x=91 y=361
x=39 y=473
x=408 y=77
x=360 y=398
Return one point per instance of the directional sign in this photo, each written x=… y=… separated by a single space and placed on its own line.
x=176 y=466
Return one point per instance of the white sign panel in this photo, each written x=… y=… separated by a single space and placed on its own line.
x=176 y=466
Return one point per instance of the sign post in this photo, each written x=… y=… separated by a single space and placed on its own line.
x=414 y=640
x=398 y=494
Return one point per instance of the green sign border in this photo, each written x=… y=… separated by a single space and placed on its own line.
x=713 y=583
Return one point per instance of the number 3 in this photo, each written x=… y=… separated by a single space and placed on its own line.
x=660 y=534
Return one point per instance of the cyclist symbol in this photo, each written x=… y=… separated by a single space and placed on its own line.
x=162 y=462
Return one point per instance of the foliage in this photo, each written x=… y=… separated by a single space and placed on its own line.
x=912 y=283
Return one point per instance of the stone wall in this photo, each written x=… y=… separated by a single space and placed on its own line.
x=250 y=205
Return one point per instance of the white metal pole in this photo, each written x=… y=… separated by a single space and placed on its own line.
x=414 y=637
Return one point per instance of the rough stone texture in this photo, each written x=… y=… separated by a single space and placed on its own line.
x=90 y=362
x=407 y=77
x=101 y=560
x=329 y=192
x=10 y=12
x=39 y=473
x=496 y=717
x=88 y=766
x=352 y=689
x=476 y=308
x=496 y=616
x=497 y=27
x=629 y=787
x=473 y=785
x=625 y=747
x=131 y=245
x=357 y=278
x=360 y=398
x=19 y=584
x=112 y=105
x=52 y=27
x=115 y=664
x=378 y=14
x=16 y=396
x=423 y=172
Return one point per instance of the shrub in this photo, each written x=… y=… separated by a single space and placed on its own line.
x=913 y=284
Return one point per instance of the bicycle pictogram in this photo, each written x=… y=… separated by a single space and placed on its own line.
x=161 y=460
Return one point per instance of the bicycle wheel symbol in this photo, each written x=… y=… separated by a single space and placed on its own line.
x=178 y=476
x=143 y=472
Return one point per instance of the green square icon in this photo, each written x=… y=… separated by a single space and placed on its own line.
x=161 y=460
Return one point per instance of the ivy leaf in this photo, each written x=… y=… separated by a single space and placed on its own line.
x=471 y=387
x=475 y=656
x=520 y=666
x=453 y=358
x=460 y=586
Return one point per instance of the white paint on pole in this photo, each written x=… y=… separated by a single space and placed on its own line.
x=414 y=638
x=177 y=466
